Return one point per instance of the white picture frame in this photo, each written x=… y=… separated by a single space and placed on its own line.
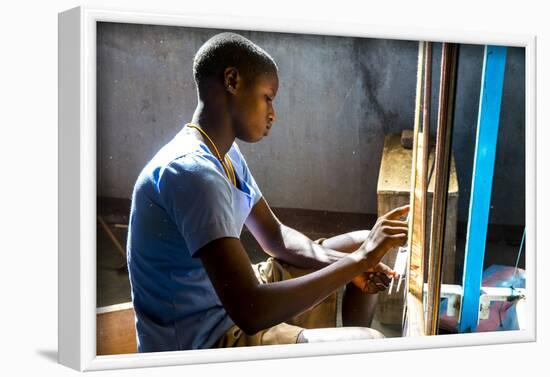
x=77 y=189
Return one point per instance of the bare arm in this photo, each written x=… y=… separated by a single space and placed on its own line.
x=285 y=243
x=254 y=306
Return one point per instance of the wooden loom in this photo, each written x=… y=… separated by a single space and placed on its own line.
x=421 y=313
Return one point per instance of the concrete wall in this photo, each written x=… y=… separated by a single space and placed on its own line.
x=337 y=98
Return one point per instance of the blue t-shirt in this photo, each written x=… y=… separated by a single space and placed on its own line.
x=182 y=200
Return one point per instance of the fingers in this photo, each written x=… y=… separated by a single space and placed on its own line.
x=361 y=281
x=382 y=268
x=381 y=280
x=398 y=223
x=397 y=213
x=395 y=230
x=377 y=282
x=371 y=287
x=391 y=241
x=398 y=239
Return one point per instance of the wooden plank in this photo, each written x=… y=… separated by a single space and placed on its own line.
x=415 y=261
x=395 y=170
x=425 y=147
x=414 y=324
x=115 y=331
x=112 y=237
x=441 y=182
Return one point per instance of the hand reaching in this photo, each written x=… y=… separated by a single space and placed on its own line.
x=376 y=279
x=388 y=232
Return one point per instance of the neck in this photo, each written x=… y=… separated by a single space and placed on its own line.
x=216 y=125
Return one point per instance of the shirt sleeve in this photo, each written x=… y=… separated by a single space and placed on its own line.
x=199 y=200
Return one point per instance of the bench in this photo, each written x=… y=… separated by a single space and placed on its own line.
x=116 y=333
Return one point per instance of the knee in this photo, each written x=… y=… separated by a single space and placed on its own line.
x=338 y=334
x=369 y=333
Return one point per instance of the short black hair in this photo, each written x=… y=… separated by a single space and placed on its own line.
x=230 y=50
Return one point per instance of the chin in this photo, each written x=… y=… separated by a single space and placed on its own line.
x=252 y=138
x=258 y=135
x=259 y=138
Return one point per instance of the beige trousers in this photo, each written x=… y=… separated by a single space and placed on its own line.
x=328 y=313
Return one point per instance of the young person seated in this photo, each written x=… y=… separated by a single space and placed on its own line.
x=193 y=285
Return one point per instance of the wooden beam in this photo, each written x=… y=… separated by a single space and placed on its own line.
x=423 y=319
x=426 y=141
x=441 y=185
x=414 y=319
x=114 y=239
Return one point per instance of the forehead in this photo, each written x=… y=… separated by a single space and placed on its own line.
x=267 y=80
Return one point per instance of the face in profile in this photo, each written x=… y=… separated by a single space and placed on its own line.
x=253 y=111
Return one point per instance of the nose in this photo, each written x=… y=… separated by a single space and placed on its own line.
x=272 y=116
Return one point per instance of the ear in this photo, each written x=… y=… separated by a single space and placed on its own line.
x=231 y=79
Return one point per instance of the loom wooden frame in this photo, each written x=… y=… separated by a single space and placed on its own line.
x=422 y=318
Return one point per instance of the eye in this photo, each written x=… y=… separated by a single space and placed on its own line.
x=268 y=98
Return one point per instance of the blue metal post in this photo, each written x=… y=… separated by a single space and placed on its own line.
x=482 y=181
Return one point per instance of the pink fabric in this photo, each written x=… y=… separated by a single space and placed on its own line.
x=502 y=314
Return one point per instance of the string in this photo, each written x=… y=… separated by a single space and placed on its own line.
x=228 y=165
x=517 y=260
